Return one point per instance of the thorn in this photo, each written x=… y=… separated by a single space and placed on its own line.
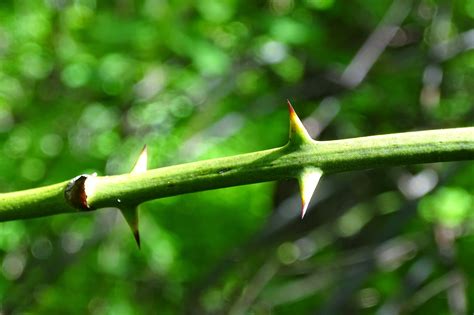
x=131 y=216
x=142 y=162
x=308 y=180
x=298 y=133
x=131 y=213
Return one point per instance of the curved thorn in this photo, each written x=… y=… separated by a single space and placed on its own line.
x=308 y=180
x=142 y=162
x=298 y=133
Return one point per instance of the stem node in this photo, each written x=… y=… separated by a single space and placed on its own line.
x=75 y=193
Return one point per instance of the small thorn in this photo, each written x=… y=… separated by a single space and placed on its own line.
x=308 y=180
x=131 y=216
x=142 y=163
x=298 y=133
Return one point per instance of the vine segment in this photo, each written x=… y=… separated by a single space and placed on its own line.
x=301 y=158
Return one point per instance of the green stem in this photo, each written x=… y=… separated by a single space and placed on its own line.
x=274 y=164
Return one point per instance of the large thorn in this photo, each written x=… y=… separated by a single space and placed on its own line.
x=298 y=133
x=131 y=213
x=308 y=180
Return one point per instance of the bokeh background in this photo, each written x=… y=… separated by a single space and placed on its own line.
x=85 y=84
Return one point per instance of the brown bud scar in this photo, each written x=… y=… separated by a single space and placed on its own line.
x=75 y=193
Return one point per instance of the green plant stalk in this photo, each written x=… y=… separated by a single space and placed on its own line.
x=275 y=164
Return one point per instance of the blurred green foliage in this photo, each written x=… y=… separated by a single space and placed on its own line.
x=85 y=83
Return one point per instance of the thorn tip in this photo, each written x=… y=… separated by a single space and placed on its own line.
x=308 y=180
x=142 y=162
x=131 y=216
x=303 y=210
x=290 y=107
x=298 y=133
x=136 y=234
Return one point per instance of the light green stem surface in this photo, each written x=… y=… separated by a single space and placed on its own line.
x=274 y=164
